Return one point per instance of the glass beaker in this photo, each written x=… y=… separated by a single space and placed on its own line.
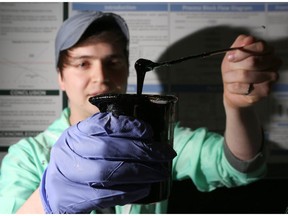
x=159 y=112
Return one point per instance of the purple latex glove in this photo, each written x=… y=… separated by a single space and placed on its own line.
x=101 y=162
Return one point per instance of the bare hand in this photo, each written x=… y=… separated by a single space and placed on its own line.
x=248 y=73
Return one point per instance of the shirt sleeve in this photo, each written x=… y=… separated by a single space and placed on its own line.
x=246 y=166
x=201 y=157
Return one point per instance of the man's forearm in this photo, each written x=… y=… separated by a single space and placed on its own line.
x=243 y=132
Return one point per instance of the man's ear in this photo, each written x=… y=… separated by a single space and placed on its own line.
x=60 y=80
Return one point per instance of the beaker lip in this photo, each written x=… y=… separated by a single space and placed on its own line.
x=120 y=99
x=157 y=98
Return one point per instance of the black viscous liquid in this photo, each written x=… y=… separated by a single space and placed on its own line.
x=140 y=80
x=141 y=67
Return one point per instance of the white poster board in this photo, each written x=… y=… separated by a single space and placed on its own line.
x=30 y=99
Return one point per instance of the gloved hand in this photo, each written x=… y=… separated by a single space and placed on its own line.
x=101 y=162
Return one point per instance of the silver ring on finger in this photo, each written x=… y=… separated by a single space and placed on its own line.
x=249 y=89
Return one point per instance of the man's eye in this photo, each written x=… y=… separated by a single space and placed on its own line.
x=115 y=63
x=83 y=65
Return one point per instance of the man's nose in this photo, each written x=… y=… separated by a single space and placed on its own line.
x=99 y=73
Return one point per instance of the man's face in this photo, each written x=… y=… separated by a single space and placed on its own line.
x=94 y=68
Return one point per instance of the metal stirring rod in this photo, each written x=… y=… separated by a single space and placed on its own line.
x=147 y=65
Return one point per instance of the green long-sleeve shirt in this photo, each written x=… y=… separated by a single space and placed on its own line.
x=202 y=156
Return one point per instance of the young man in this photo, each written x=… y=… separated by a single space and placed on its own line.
x=92 y=59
